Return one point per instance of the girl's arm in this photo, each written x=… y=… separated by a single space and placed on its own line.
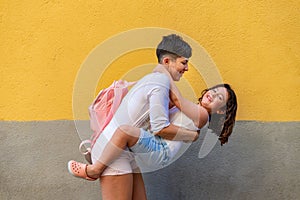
x=193 y=111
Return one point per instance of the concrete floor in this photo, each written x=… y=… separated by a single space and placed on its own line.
x=261 y=161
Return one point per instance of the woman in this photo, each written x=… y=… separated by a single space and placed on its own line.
x=217 y=106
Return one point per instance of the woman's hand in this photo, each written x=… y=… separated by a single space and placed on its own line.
x=194 y=137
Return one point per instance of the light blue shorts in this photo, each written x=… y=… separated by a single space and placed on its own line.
x=151 y=152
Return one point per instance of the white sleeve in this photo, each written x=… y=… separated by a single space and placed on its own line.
x=158 y=98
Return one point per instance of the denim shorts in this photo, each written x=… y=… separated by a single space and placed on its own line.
x=151 y=152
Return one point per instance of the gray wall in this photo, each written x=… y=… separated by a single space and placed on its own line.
x=261 y=161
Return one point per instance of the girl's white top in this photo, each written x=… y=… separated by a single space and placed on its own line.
x=179 y=119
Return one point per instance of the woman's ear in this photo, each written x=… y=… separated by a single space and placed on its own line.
x=166 y=60
x=221 y=111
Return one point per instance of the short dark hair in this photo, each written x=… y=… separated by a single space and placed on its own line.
x=174 y=46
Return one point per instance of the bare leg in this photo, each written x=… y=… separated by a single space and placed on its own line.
x=125 y=136
x=117 y=187
x=139 y=191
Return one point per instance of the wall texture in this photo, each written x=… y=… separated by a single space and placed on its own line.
x=255 y=45
x=260 y=162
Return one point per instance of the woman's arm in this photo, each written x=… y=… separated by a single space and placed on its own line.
x=173 y=132
x=158 y=96
x=193 y=111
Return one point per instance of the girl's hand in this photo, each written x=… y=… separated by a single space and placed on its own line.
x=173 y=98
x=171 y=104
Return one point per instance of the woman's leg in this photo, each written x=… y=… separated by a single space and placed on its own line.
x=117 y=187
x=139 y=191
x=125 y=136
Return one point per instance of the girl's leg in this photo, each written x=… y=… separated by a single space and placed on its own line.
x=139 y=191
x=125 y=136
x=117 y=187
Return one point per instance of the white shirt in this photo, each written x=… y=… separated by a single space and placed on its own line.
x=150 y=94
x=179 y=119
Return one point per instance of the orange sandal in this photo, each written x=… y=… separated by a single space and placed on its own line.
x=78 y=170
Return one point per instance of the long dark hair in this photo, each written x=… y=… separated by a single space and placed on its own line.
x=222 y=124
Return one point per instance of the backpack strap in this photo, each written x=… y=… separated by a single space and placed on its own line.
x=87 y=149
x=142 y=119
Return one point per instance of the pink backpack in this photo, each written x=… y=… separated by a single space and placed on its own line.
x=102 y=110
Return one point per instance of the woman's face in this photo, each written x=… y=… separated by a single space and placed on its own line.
x=178 y=67
x=215 y=99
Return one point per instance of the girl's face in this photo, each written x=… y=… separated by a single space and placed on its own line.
x=215 y=99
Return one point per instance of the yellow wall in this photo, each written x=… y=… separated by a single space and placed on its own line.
x=255 y=45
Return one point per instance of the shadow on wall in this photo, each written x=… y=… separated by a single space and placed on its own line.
x=259 y=162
